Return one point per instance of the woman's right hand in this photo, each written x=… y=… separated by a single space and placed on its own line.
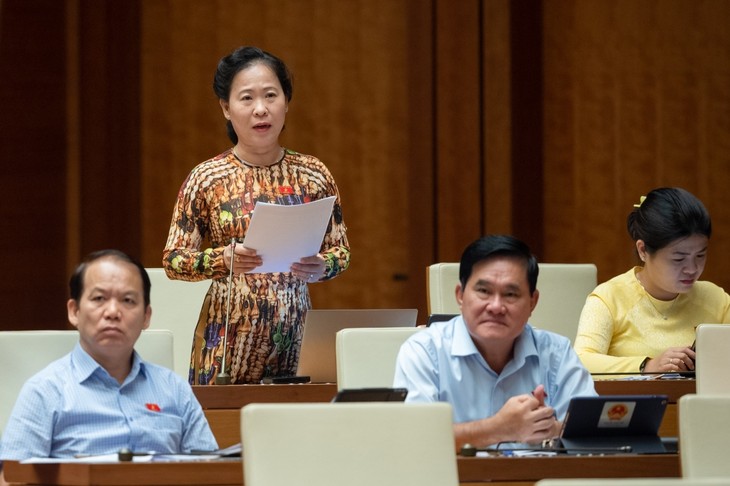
x=672 y=360
x=244 y=259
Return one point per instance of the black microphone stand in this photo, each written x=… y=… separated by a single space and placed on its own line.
x=223 y=378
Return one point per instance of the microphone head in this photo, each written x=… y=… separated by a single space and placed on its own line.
x=468 y=450
x=125 y=455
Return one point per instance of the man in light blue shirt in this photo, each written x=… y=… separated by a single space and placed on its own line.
x=103 y=397
x=506 y=381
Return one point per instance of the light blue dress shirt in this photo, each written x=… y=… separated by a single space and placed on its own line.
x=74 y=406
x=442 y=364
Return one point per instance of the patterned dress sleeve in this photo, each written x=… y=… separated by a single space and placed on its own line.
x=183 y=258
x=335 y=246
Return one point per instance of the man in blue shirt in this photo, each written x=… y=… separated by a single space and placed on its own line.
x=506 y=381
x=102 y=397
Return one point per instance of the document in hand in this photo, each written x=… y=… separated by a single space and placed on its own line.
x=283 y=234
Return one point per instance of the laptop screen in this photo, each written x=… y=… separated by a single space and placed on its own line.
x=317 y=357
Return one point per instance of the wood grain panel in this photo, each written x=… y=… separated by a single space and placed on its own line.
x=636 y=97
x=497 y=129
x=32 y=165
x=458 y=116
x=362 y=74
x=109 y=199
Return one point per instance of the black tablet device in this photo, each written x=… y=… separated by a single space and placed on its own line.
x=621 y=422
x=371 y=395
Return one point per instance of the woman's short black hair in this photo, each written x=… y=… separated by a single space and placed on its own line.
x=492 y=246
x=239 y=60
x=666 y=215
x=76 y=283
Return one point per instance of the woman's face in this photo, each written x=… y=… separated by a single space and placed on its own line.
x=675 y=268
x=256 y=107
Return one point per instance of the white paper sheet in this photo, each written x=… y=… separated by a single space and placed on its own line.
x=283 y=234
x=107 y=458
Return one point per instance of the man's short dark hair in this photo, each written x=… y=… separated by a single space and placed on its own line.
x=76 y=283
x=492 y=246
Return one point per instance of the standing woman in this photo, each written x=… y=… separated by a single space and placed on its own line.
x=644 y=320
x=215 y=203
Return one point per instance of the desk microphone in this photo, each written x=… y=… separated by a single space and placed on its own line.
x=224 y=378
x=126 y=455
x=468 y=450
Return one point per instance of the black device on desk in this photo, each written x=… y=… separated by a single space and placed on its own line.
x=615 y=421
x=439 y=317
x=371 y=395
x=281 y=380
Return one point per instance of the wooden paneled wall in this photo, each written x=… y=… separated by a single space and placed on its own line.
x=637 y=96
x=440 y=121
x=32 y=165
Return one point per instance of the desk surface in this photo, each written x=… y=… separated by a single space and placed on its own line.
x=222 y=404
x=236 y=396
x=672 y=388
x=498 y=470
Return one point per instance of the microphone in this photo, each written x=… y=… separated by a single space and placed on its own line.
x=126 y=455
x=223 y=378
x=468 y=450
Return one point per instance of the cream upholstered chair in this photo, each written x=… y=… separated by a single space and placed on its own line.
x=713 y=359
x=563 y=290
x=176 y=306
x=357 y=444
x=636 y=482
x=30 y=351
x=441 y=279
x=366 y=356
x=704 y=426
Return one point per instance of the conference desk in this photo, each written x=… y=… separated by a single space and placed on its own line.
x=222 y=404
x=505 y=471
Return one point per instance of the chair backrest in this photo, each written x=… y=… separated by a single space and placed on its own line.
x=31 y=351
x=176 y=306
x=357 y=444
x=704 y=426
x=563 y=290
x=636 y=482
x=713 y=359
x=366 y=356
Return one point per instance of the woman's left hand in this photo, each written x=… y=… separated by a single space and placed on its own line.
x=309 y=269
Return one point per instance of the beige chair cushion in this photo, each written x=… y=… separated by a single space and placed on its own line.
x=353 y=444
x=366 y=356
x=704 y=426
x=176 y=306
x=713 y=359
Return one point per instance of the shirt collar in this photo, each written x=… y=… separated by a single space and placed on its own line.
x=84 y=366
x=463 y=344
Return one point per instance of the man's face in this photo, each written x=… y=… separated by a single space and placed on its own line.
x=111 y=314
x=496 y=301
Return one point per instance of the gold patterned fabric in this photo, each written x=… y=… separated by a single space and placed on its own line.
x=215 y=203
